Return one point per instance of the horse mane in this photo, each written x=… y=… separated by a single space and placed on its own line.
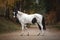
x=19 y=12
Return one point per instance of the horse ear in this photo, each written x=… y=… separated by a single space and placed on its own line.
x=19 y=13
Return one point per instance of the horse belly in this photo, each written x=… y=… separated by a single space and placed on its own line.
x=29 y=20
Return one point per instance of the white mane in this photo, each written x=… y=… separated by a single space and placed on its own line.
x=19 y=12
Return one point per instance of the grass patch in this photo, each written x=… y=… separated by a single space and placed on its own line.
x=8 y=26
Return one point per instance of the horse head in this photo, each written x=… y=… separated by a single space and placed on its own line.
x=15 y=13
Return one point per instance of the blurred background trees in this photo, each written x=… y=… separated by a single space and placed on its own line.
x=49 y=8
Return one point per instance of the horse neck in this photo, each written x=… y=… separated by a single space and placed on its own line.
x=23 y=14
x=20 y=14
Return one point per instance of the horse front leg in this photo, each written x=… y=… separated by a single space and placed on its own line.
x=22 y=32
x=26 y=27
x=22 y=26
x=27 y=30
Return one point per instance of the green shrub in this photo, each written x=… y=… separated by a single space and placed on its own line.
x=8 y=26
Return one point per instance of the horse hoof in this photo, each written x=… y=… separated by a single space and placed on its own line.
x=21 y=35
x=38 y=34
x=27 y=34
x=42 y=34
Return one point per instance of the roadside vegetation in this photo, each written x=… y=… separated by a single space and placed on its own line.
x=8 y=26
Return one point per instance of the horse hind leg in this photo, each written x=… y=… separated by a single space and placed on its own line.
x=41 y=28
x=42 y=23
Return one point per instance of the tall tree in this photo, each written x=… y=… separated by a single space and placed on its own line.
x=7 y=12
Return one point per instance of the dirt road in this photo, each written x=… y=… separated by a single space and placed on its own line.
x=50 y=34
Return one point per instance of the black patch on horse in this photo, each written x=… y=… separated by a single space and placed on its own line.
x=34 y=20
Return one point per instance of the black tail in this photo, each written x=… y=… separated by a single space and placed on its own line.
x=43 y=23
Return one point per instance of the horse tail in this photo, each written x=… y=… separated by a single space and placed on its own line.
x=43 y=23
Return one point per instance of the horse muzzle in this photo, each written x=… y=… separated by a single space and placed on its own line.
x=13 y=16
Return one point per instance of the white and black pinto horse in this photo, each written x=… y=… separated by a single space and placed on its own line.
x=32 y=19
